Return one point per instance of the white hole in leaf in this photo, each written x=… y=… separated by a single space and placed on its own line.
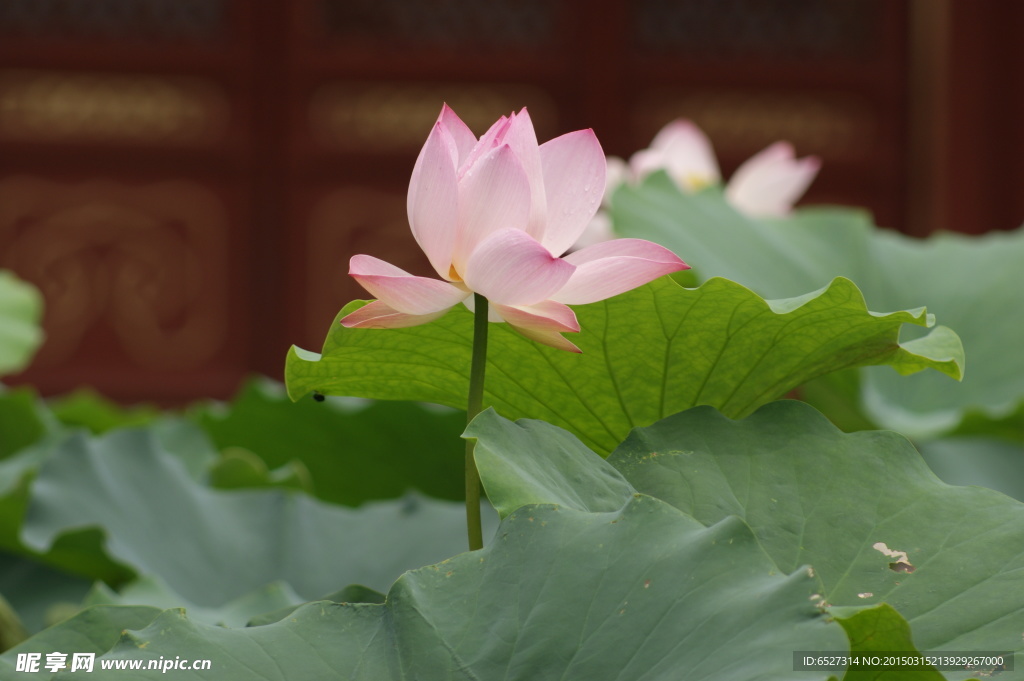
x=902 y=563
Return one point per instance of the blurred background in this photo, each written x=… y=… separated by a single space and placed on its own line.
x=185 y=180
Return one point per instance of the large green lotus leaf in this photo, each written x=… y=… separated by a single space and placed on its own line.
x=646 y=354
x=531 y=462
x=908 y=268
x=862 y=509
x=643 y=592
x=971 y=283
x=786 y=470
x=211 y=545
x=78 y=551
x=352 y=449
x=778 y=258
x=21 y=307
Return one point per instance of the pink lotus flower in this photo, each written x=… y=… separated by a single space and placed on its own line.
x=683 y=151
x=767 y=184
x=493 y=216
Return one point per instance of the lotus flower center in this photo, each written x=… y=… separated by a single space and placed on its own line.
x=695 y=181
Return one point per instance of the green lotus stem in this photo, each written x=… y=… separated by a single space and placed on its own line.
x=474 y=405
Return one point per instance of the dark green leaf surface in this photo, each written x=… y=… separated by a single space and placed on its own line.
x=640 y=593
x=79 y=550
x=212 y=546
x=646 y=354
x=352 y=448
x=848 y=504
x=531 y=461
x=813 y=496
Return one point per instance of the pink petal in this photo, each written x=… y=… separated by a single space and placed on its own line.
x=489 y=141
x=432 y=203
x=543 y=322
x=613 y=267
x=494 y=194
x=574 y=181
x=464 y=138
x=402 y=291
x=771 y=181
x=546 y=315
x=522 y=139
x=511 y=268
x=555 y=340
x=684 y=151
x=378 y=315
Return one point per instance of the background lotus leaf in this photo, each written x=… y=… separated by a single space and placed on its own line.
x=972 y=283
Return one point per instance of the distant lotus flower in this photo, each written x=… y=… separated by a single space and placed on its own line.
x=494 y=216
x=766 y=185
x=683 y=151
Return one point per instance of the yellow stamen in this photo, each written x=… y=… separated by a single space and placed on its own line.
x=695 y=181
